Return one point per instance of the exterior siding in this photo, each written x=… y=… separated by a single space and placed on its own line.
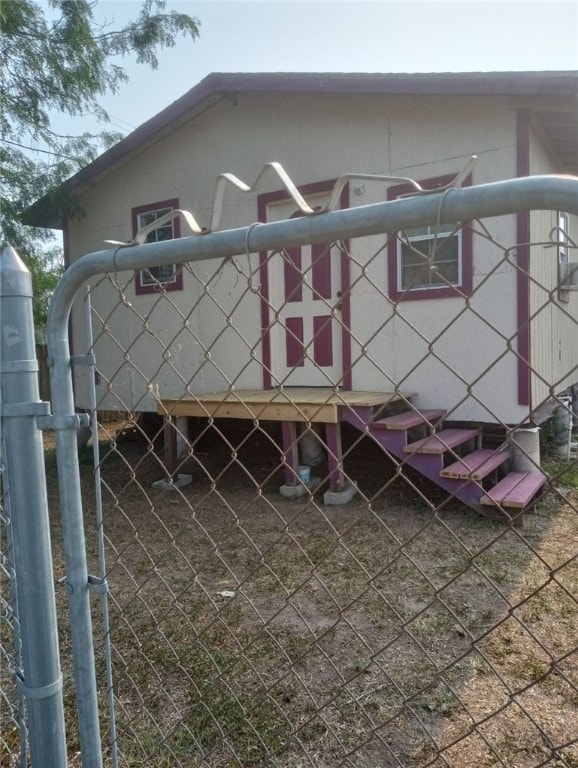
x=399 y=353
x=554 y=342
x=316 y=137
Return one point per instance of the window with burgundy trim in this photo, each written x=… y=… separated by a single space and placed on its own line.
x=429 y=262
x=163 y=278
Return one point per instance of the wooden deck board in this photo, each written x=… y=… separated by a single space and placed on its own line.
x=516 y=490
x=476 y=465
x=442 y=441
x=410 y=419
x=302 y=404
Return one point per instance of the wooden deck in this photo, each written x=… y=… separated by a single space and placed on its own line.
x=291 y=404
x=298 y=408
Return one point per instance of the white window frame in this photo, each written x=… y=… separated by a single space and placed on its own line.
x=167 y=277
x=153 y=275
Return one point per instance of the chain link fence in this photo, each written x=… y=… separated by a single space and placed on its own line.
x=250 y=627
x=13 y=735
x=301 y=575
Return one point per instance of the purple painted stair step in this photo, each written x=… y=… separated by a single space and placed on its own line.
x=442 y=441
x=409 y=419
x=516 y=490
x=476 y=465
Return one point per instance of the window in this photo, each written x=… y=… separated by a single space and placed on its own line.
x=563 y=238
x=429 y=262
x=429 y=258
x=168 y=277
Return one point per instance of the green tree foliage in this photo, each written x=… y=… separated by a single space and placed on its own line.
x=62 y=61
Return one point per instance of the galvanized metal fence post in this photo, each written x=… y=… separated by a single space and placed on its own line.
x=78 y=581
x=41 y=681
x=101 y=542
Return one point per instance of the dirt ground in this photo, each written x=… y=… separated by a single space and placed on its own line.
x=400 y=630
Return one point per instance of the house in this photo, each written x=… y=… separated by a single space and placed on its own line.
x=501 y=361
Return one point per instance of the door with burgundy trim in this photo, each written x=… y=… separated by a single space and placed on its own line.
x=306 y=311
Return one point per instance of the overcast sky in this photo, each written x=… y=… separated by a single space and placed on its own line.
x=333 y=36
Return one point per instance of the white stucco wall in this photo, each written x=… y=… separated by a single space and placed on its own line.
x=315 y=137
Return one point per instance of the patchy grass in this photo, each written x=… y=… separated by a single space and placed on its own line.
x=527 y=675
x=251 y=630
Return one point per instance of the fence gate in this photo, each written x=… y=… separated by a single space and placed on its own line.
x=378 y=571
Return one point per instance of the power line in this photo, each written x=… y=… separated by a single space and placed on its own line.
x=119 y=119
x=37 y=149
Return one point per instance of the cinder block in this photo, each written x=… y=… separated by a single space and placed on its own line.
x=300 y=489
x=338 y=498
x=179 y=482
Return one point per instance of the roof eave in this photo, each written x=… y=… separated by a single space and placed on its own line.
x=563 y=85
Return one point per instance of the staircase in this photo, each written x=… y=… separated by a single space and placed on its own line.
x=454 y=459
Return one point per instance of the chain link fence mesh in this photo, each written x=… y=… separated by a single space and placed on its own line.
x=404 y=628
x=401 y=629
x=13 y=734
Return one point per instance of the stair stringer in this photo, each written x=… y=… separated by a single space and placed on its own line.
x=393 y=442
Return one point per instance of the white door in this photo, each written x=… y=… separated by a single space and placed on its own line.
x=306 y=331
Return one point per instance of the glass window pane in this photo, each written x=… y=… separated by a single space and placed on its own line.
x=430 y=262
x=165 y=232
x=157 y=275
x=415 y=277
x=145 y=219
x=415 y=254
x=446 y=272
x=445 y=249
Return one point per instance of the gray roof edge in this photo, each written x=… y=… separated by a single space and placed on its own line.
x=560 y=83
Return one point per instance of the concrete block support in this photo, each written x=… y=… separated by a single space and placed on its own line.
x=299 y=490
x=340 y=497
x=180 y=481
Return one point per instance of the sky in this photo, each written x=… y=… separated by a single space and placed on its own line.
x=334 y=36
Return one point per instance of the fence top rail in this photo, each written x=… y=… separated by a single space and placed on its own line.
x=452 y=205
